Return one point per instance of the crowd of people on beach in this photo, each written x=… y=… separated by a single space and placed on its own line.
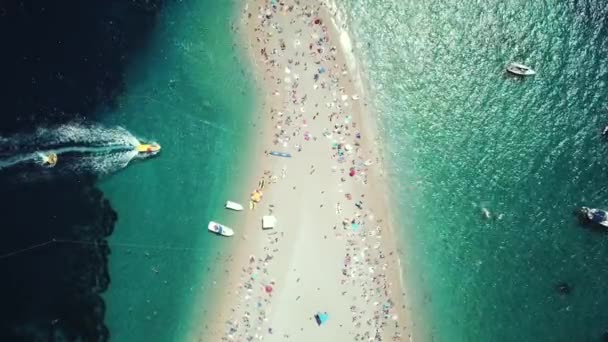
x=295 y=49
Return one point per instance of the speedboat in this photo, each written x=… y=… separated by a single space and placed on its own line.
x=520 y=69
x=595 y=216
x=49 y=160
x=151 y=148
x=220 y=229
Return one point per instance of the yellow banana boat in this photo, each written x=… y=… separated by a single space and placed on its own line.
x=49 y=160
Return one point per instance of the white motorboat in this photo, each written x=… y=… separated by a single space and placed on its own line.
x=596 y=216
x=520 y=69
x=233 y=206
x=220 y=229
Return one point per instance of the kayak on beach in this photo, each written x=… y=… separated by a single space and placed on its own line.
x=280 y=154
x=233 y=206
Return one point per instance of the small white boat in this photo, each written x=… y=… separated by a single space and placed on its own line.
x=220 y=229
x=520 y=69
x=233 y=206
x=595 y=216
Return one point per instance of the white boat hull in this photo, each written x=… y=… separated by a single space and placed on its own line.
x=520 y=69
x=219 y=229
x=590 y=215
x=233 y=206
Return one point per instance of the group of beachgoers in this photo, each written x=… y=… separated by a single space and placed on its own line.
x=309 y=53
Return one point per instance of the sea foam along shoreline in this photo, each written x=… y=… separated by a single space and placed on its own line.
x=334 y=248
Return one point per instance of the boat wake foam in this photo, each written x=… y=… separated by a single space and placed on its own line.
x=79 y=149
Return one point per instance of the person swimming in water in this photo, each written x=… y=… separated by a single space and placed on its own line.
x=485 y=213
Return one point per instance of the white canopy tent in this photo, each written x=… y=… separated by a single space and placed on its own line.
x=268 y=222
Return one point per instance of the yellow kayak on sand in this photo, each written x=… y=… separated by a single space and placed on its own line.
x=151 y=148
x=256 y=196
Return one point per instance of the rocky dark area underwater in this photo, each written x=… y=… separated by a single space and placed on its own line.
x=62 y=62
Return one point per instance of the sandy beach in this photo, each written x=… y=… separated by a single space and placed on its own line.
x=333 y=251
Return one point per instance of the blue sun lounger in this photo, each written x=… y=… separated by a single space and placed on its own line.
x=321 y=318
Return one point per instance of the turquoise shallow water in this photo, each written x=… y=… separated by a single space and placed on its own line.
x=462 y=136
x=189 y=91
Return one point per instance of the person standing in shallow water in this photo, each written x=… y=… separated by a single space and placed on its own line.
x=564 y=288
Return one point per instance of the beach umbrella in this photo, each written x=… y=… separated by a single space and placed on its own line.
x=321 y=318
x=268 y=289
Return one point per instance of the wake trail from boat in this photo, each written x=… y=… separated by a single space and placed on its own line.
x=79 y=149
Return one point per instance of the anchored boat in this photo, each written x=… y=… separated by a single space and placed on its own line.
x=595 y=216
x=520 y=69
